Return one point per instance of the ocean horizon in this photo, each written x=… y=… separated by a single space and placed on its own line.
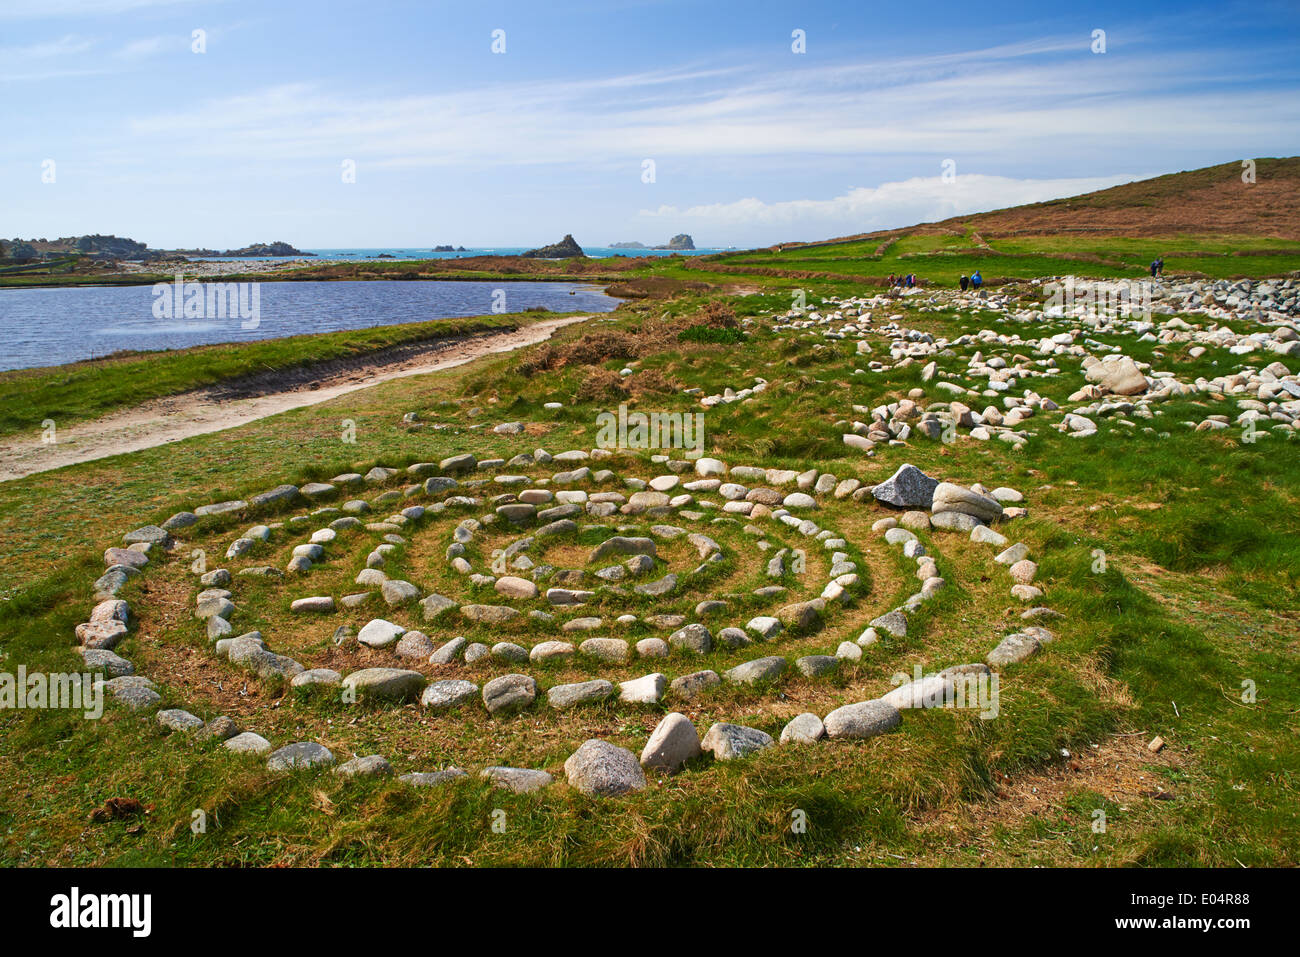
x=425 y=252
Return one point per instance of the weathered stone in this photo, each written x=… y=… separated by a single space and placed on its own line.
x=954 y=498
x=414 y=644
x=601 y=769
x=893 y=623
x=391 y=684
x=174 y=719
x=518 y=780
x=693 y=638
x=299 y=755
x=443 y=695
x=428 y=779
x=247 y=743
x=509 y=693
x=584 y=692
x=673 y=742
x=693 y=685
x=1013 y=648
x=434 y=605
x=757 y=671
x=646 y=690
x=513 y=587
x=908 y=487
x=398 y=592
x=380 y=633
x=488 y=614
x=326 y=677
x=604 y=649
x=865 y=719
x=814 y=666
x=322 y=604
x=806 y=728
x=371 y=765
x=802 y=615
x=727 y=742
x=448 y=652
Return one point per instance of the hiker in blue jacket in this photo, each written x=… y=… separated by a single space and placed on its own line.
x=976 y=280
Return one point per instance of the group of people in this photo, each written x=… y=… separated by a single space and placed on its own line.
x=973 y=281
x=1158 y=267
x=908 y=280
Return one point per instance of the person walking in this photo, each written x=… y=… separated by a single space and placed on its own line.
x=976 y=280
x=964 y=282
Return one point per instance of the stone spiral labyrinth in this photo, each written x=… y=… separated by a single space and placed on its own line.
x=469 y=587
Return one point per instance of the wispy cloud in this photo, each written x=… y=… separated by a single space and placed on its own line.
x=56 y=9
x=1006 y=102
x=863 y=209
x=150 y=46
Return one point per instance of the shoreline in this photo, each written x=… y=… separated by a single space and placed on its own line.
x=210 y=409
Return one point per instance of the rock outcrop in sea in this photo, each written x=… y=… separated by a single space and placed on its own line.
x=566 y=248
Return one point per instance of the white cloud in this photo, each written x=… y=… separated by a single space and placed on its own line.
x=865 y=209
x=148 y=46
x=1014 y=103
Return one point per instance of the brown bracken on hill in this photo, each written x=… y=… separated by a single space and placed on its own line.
x=1209 y=200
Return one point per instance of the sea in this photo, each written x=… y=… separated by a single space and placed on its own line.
x=57 y=325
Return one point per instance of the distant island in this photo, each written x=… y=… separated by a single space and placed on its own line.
x=265 y=249
x=449 y=249
x=680 y=241
x=98 y=246
x=566 y=248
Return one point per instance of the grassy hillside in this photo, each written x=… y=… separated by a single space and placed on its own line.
x=1195 y=597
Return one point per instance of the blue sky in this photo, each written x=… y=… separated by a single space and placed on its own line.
x=752 y=142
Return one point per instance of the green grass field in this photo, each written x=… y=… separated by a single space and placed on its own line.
x=1201 y=592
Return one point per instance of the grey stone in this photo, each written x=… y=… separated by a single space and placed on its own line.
x=299 y=755
x=509 y=693
x=693 y=638
x=893 y=623
x=727 y=742
x=392 y=684
x=693 y=685
x=757 y=671
x=1012 y=649
x=518 y=780
x=435 y=605
x=601 y=769
x=428 y=779
x=174 y=719
x=954 y=498
x=673 y=742
x=488 y=614
x=908 y=487
x=585 y=692
x=865 y=719
x=380 y=633
x=448 y=652
x=443 y=695
x=814 y=666
x=806 y=728
x=247 y=743
x=371 y=765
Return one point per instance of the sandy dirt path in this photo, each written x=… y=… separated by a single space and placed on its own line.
x=212 y=409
